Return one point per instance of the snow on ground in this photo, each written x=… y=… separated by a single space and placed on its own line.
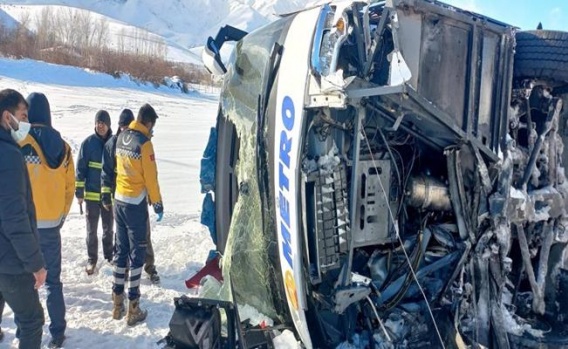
x=120 y=35
x=181 y=243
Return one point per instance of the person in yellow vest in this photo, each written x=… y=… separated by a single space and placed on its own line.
x=88 y=182
x=108 y=185
x=52 y=175
x=136 y=188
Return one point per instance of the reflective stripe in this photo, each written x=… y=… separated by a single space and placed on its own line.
x=80 y=184
x=131 y=200
x=134 y=277
x=92 y=196
x=135 y=272
x=97 y=165
x=105 y=190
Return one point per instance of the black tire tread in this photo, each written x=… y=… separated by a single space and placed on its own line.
x=541 y=54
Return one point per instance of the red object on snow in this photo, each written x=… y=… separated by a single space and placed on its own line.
x=212 y=268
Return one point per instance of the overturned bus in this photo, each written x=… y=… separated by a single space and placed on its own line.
x=391 y=176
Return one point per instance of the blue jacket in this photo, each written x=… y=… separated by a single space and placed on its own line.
x=19 y=240
x=89 y=166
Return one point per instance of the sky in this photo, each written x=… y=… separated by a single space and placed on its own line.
x=525 y=14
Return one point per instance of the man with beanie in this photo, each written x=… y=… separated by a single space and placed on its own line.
x=108 y=186
x=136 y=188
x=88 y=183
x=52 y=175
x=22 y=269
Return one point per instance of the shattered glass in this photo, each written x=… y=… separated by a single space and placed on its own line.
x=246 y=265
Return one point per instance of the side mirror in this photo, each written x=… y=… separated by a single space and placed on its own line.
x=212 y=59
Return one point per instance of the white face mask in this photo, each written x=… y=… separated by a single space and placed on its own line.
x=23 y=129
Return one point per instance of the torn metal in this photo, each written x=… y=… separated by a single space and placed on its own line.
x=429 y=185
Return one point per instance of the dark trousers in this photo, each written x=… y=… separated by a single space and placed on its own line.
x=149 y=261
x=18 y=291
x=93 y=211
x=131 y=233
x=50 y=243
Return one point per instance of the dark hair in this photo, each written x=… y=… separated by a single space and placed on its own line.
x=10 y=100
x=147 y=114
x=126 y=117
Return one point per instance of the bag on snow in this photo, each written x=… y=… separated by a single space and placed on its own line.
x=194 y=325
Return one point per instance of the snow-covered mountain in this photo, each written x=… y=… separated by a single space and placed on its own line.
x=183 y=24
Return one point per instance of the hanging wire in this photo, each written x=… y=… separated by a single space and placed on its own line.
x=379 y=319
x=395 y=224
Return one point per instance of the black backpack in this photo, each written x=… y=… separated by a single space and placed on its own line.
x=195 y=324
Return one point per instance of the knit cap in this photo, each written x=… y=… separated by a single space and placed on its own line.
x=103 y=116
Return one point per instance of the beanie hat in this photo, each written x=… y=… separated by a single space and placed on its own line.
x=125 y=118
x=103 y=116
x=39 y=111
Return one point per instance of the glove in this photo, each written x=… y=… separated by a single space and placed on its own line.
x=159 y=210
x=80 y=193
x=106 y=201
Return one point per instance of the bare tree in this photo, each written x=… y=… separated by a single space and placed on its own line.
x=44 y=24
x=121 y=40
x=85 y=27
x=66 y=27
x=101 y=33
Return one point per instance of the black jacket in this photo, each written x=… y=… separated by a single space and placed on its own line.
x=19 y=240
x=89 y=166
x=108 y=176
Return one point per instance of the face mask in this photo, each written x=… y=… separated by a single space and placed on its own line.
x=22 y=132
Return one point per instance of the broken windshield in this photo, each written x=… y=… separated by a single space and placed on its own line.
x=246 y=264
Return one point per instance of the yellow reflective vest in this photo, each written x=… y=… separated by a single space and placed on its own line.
x=52 y=186
x=136 y=170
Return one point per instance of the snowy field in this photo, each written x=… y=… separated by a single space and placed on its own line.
x=181 y=243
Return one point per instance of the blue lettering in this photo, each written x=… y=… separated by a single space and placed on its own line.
x=288 y=113
x=285 y=147
x=282 y=179
x=286 y=244
x=284 y=209
x=288 y=118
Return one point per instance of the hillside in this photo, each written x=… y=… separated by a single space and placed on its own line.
x=183 y=24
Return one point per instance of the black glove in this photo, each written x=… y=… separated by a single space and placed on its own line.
x=159 y=209
x=106 y=200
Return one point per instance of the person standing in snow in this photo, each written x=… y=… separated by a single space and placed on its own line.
x=88 y=183
x=52 y=175
x=108 y=187
x=136 y=183
x=22 y=269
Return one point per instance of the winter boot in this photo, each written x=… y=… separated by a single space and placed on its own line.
x=118 y=306
x=90 y=268
x=152 y=274
x=154 y=278
x=135 y=314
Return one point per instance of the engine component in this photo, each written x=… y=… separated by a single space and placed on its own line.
x=372 y=207
x=331 y=217
x=428 y=194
